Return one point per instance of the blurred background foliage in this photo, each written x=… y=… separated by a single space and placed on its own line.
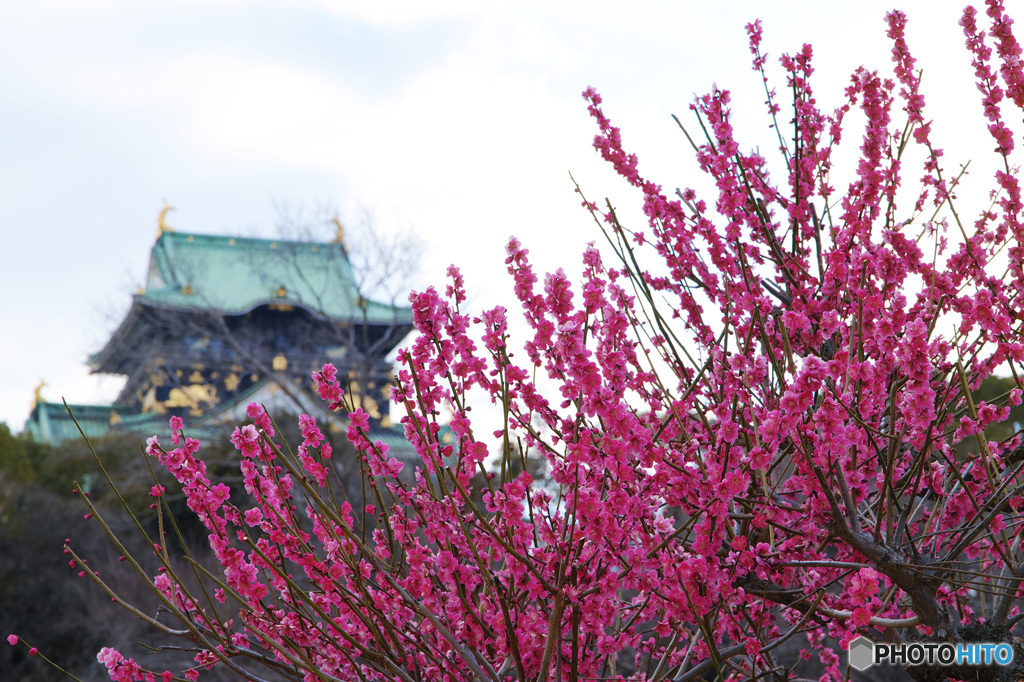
x=69 y=619
x=994 y=390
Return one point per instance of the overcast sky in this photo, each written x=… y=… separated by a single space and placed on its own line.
x=460 y=119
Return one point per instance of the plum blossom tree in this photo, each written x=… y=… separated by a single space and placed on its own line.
x=750 y=439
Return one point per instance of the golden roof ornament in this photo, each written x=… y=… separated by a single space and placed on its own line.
x=161 y=221
x=38 y=398
x=339 y=237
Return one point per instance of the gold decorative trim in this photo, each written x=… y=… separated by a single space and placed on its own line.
x=37 y=394
x=161 y=221
x=339 y=237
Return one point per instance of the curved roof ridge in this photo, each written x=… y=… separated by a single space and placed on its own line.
x=236 y=274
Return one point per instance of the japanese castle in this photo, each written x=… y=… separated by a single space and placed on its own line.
x=225 y=321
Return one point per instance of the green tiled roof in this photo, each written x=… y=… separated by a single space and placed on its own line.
x=233 y=275
x=50 y=422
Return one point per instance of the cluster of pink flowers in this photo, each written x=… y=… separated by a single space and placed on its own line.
x=748 y=437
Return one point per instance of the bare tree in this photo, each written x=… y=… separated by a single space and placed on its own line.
x=384 y=264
